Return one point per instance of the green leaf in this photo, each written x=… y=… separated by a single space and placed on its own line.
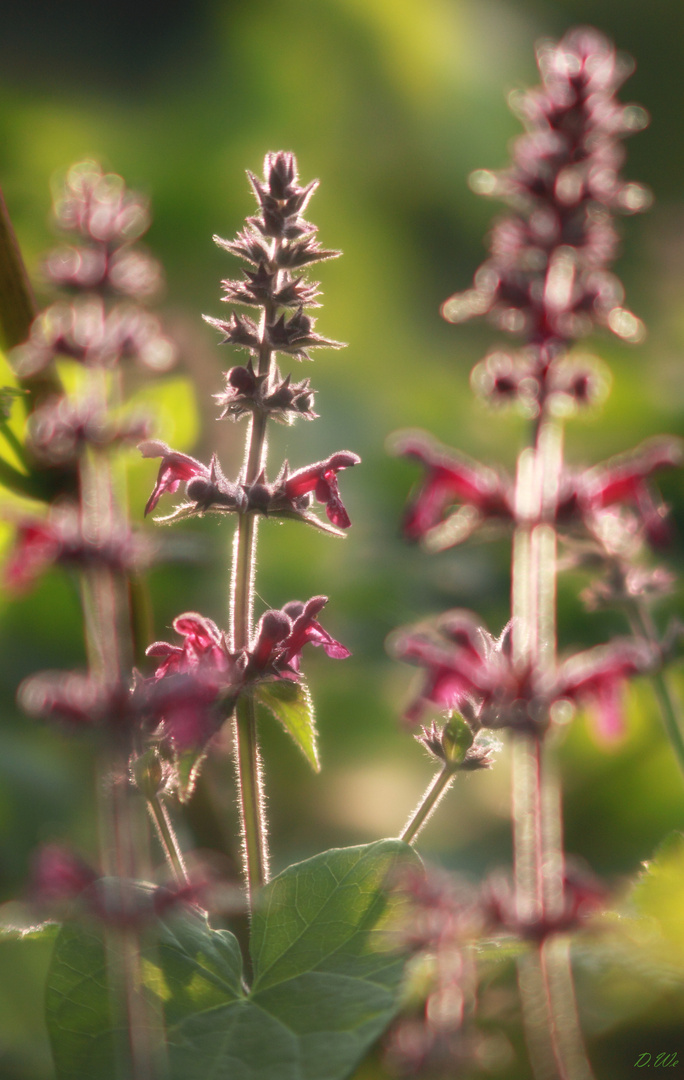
x=326 y=979
x=658 y=893
x=290 y=702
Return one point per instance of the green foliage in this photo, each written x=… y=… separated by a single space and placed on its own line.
x=290 y=702
x=658 y=894
x=326 y=979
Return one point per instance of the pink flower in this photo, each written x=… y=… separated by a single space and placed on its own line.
x=206 y=486
x=466 y=669
x=190 y=706
x=37 y=547
x=321 y=480
x=625 y=480
x=450 y=479
x=204 y=647
x=59 y=875
x=597 y=676
x=197 y=683
x=281 y=636
x=42 y=542
x=78 y=699
x=175 y=469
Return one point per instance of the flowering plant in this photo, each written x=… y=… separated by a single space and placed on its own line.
x=146 y=980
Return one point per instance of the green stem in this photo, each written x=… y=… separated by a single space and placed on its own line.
x=255 y=852
x=670 y=714
x=168 y=838
x=566 y=1035
x=248 y=760
x=552 y=1027
x=643 y=626
x=140 y=1053
x=439 y=786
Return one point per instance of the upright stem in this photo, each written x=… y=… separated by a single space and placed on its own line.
x=109 y=645
x=248 y=761
x=545 y=977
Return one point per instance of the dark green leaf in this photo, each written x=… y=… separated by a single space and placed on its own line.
x=326 y=979
x=290 y=702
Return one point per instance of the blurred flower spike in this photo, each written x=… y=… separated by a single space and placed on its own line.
x=103 y=218
x=547 y=276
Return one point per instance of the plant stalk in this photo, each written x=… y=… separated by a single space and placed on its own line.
x=643 y=627
x=248 y=761
x=168 y=839
x=122 y=825
x=545 y=977
x=438 y=787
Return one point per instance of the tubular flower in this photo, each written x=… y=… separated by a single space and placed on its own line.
x=42 y=542
x=60 y=877
x=205 y=659
x=87 y=332
x=320 y=480
x=281 y=636
x=204 y=648
x=59 y=429
x=466 y=669
x=597 y=676
x=626 y=480
x=470 y=671
x=451 y=479
x=206 y=484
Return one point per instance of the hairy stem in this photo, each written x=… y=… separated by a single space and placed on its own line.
x=167 y=838
x=545 y=977
x=254 y=836
x=438 y=787
x=248 y=761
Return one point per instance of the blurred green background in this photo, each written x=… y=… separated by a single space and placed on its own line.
x=392 y=103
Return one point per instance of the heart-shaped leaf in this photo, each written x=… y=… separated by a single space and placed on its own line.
x=290 y=702
x=326 y=979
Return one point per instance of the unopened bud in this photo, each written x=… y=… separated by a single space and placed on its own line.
x=148 y=774
x=457 y=738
